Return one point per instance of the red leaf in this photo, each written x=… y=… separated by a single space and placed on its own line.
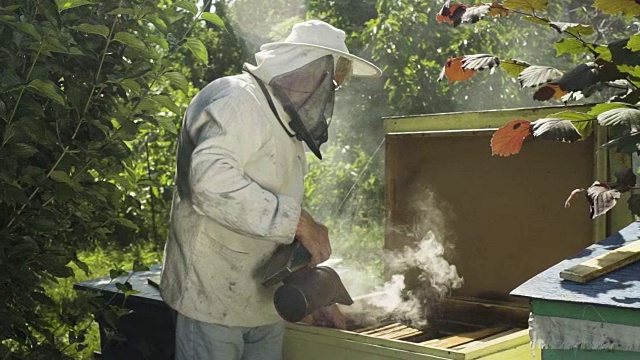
x=454 y=71
x=508 y=139
x=451 y=13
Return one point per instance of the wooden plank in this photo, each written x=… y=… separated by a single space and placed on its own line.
x=485 y=314
x=408 y=332
x=464 y=338
x=373 y=327
x=603 y=264
x=487 y=339
x=381 y=328
x=513 y=338
x=389 y=331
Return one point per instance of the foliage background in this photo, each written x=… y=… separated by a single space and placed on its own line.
x=92 y=94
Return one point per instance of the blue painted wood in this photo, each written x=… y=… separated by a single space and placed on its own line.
x=579 y=354
x=620 y=288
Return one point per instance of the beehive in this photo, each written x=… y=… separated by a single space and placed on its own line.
x=509 y=224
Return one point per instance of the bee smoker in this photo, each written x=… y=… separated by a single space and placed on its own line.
x=303 y=289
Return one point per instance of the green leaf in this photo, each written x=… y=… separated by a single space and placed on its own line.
x=126 y=288
x=131 y=85
x=122 y=11
x=68 y=4
x=631 y=70
x=29 y=29
x=189 y=6
x=137 y=69
x=9 y=132
x=48 y=89
x=634 y=43
x=92 y=29
x=166 y=102
x=536 y=20
x=570 y=46
x=614 y=7
x=82 y=266
x=167 y=124
x=573 y=28
x=604 y=53
x=582 y=121
x=525 y=5
x=61 y=177
x=214 y=19
x=161 y=41
x=178 y=80
x=22 y=150
x=600 y=108
x=116 y=273
x=514 y=67
x=139 y=266
x=127 y=223
x=131 y=40
x=198 y=49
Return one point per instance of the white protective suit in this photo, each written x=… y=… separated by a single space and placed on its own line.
x=240 y=188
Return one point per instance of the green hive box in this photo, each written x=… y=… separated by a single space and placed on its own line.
x=509 y=225
x=596 y=320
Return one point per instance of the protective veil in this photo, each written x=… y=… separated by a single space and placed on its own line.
x=307 y=95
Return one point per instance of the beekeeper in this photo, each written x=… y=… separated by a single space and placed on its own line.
x=240 y=170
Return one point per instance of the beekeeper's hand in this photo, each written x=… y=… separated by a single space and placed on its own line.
x=328 y=316
x=314 y=237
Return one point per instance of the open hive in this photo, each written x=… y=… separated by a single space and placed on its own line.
x=509 y=224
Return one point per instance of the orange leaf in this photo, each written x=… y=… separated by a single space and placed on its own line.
x=454 y=71
x=508 y=139
x=549 y=91
x=497 y=9
x=451 y=13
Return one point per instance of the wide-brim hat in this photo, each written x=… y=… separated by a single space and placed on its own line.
x=320 y=35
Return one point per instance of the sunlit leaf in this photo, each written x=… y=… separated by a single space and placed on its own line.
x=514 y=67
x=601 y=198
x=187 y=5
x=101 y=30
x=570 y=46
x=536 y=75
x=214 y=19
x=139 y=266
x=454 y=71
x=614 y=7
x=623 y=115
x=48 y=89
x=508 y=139
x=604 y=53
x=600 y=108
x=68 y=4
x=572 y=28
x=127 y=223
x=473 y=14
x=634 y=43
x=198 y=49
x=178 y=80
x=479 y=62
x=497 y=9
x=555 y=129
x=583 y=122
x=536 y=20
x=526 y=5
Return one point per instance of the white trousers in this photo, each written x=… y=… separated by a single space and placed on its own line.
x=197 y=340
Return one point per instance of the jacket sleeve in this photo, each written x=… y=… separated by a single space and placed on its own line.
x=226 y=134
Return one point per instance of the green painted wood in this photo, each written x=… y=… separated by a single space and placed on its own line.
x=578 y=354
x=588 y=312
x=486 y=119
